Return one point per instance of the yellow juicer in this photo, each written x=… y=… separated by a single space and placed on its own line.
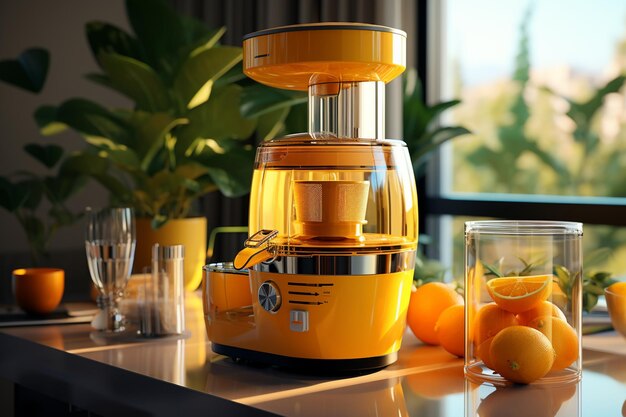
x=325 y=277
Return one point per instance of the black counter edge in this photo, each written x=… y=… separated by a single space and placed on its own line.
x=105 y=389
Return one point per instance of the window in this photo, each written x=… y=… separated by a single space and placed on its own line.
x=543 y=88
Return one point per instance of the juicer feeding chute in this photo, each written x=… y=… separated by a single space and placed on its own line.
x=333 y=212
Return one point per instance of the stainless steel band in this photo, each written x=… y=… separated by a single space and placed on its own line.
x=371 y=264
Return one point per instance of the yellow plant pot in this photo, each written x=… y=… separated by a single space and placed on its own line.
x=190 y=232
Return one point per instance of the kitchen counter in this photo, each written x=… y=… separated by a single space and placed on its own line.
x=184 y=377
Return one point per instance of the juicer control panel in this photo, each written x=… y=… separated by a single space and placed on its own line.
x=269 y=296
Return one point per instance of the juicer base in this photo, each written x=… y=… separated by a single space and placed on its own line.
x=317 y=366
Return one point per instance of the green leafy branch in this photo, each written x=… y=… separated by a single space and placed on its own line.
x=23 y=192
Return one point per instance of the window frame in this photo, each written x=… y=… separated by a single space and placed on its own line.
x=609 y=211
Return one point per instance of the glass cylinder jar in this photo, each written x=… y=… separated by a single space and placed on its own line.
x=523 y=295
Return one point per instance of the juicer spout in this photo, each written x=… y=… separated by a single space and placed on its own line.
x=257 y=248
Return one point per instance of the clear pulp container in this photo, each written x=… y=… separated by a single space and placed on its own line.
x=523 y=283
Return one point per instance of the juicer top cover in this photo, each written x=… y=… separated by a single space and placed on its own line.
x=340 y=190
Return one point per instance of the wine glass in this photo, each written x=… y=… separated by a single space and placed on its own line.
x=110 y=245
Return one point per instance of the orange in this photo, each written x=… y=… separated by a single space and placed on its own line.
x=450 y=329
x=521 y=354
x=618 y=288
x=563 y=338
x=482 y=352
x=545 y=308
x=519 y=294
x=426 y=304
x=489 y=320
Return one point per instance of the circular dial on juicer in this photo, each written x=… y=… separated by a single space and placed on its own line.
x=269 y=296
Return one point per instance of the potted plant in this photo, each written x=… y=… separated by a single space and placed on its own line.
x=184 y=135
x=22 y=193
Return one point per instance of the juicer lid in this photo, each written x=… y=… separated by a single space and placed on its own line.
x=325 y=26
x=296 y=57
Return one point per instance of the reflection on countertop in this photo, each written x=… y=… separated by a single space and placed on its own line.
x=425 y=381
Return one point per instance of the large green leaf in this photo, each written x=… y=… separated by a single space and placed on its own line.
x=259 y=99
x=61 y=187
x=159 y=30
x=82 y=163
x=105 y=37
x=88 y=118
x=36 y=190
x=195 y=78
x=151 y=130
x=217 y=119
x=12 y=196
x=231 y=172
x=200 y=36
x=233 y=75
x=48 y=155
x=298 y=119
x=271 y=124
x=120 y=155
x=28 y=71
x=136 y=80
x=47 y=120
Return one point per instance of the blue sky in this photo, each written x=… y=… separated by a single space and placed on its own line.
x=483 y=34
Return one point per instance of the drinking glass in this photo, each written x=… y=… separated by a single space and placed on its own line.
x=110 y=245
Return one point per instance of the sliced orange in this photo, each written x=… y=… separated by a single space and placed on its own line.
x=520 y=294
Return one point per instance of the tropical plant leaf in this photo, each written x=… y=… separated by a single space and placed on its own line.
x=89 y=119
x=233 y=75
x=151 y=133
x=101 y=79
x=48 y=155
x=195 y=78
x=35 y=192
x=62 y=187
x=28 y=71
x=35 y=231
x=259 y=99
x=217 y=119
x=200 y=36
x=62 y=216
x=136 y=80
x=159 y=30
x=432 y=140
x=82 y=163
x=271 y=124
x=107 y=38
x=231 y=172
x=47 y=120
x=297 y=119
x=12 y=196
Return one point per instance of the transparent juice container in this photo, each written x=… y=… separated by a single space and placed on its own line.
x=523 y=284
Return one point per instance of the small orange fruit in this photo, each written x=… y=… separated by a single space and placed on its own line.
x=521 y=354
x=426 y=304
x=450 y=329
x=519 y=294
x=545 y=308
x=563 y=338
x=489 y=320
x=482 y=352
x=618 y=288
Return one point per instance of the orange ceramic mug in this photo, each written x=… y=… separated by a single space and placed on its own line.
x=38 y=290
